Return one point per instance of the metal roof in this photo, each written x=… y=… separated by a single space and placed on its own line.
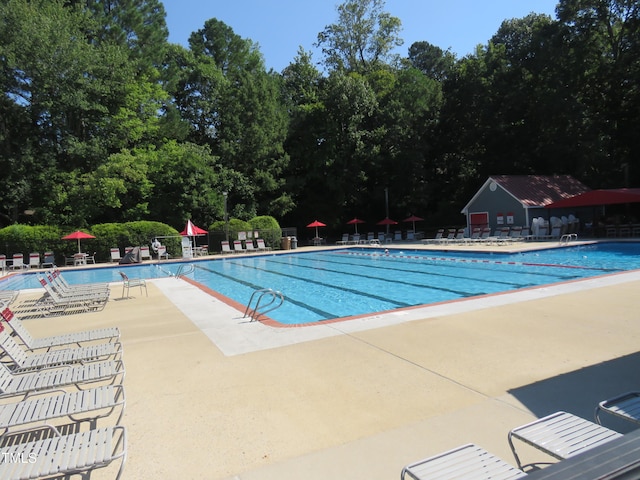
x=540 y=190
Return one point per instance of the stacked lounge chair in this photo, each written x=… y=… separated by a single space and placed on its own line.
x=60 y=298
x=53 y=391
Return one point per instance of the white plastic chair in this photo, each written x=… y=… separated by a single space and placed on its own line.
x=128 y=283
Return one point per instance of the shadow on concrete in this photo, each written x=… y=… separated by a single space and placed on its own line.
x=580 y=391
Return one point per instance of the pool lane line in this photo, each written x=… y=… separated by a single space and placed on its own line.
x=308 y=307
x=475 y=260
x=329 y=285
x=382 y=279
x=439 y=274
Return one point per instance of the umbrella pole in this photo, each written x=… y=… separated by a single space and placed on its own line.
x=79 y=251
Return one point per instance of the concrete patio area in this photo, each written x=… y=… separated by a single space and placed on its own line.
x=213 y=396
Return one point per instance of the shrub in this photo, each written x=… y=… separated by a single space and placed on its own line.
x=269 y=229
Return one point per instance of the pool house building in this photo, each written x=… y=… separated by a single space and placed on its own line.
x=515 y=200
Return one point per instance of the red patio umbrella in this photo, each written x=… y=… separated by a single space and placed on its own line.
x=316 y=224
x=77 y=235
x=355 y=221
x=387 y=221
x=413 y=219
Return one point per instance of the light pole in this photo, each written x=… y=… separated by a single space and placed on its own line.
x=226 y=217
x=386 y=205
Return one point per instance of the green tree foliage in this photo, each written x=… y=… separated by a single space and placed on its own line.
x=431 y=60
x=363 y=36
x=103 y=121
x=603 y=40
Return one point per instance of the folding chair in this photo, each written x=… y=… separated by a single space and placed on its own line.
x=127 y=283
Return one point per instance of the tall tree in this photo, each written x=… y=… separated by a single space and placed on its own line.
x=245 y=121
x=431 y=60
x=363 y=36
x=603 y=68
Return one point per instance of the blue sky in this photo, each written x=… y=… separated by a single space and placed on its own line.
x=281 y=26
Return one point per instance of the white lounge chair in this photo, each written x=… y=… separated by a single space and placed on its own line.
x=18 y=262
x=89 y=299
x=436 y=239
x=128 y=283
x=81 y=405
x=249 y=247
x=468 y=462
x=115 y=255
x=226 y=248
x=162 y=252
x=25 y=383
x=261 y=245
x=145 y=253
x=561 y=435
x=49 y=260
x=57 y=278
x=34 y=260
x=76 y=338
x=237 y=246
x=345 y=239
x=63 y=455
x=625 y=406
x=22 y=360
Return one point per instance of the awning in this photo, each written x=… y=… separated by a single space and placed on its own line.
x=599 y=197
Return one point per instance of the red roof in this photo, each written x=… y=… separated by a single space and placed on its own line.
x=599 y=197
x=540 y=190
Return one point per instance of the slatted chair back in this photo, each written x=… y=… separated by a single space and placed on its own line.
x=17 y=326
x=5 y=378
x=15 y=352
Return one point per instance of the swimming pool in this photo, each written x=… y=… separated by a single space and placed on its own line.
x=348 y=282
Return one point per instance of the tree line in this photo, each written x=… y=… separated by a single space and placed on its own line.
x=103 y=120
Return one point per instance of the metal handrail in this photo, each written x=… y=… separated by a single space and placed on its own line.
x=255 y=312
x=185 y=270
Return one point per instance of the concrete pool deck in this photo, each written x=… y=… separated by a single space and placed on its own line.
x=213 y=396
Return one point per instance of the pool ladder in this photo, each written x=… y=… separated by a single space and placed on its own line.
x=185 y=270
x=266 y=307
x=567 y=237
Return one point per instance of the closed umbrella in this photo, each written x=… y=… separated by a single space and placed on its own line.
x=78 y=235
x=355 y=221
x=191 y=230
x=316 y=224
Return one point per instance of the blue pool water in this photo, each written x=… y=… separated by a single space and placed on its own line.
x=340 y=283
